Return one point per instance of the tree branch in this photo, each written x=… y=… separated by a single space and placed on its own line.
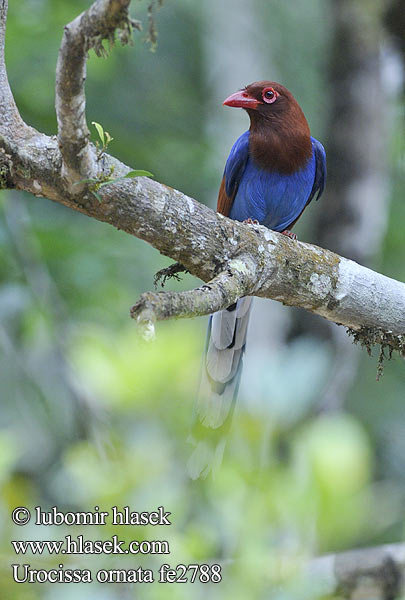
x=217 y=294
x=10 y=119
x=208 y=245
x=376 y=573
x=87 y=31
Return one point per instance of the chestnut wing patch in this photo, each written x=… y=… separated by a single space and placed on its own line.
x=224 y=203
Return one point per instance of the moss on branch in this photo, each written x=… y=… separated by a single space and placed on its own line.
x=369 y=337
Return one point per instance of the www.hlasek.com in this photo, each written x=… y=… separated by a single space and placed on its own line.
x=24 y=573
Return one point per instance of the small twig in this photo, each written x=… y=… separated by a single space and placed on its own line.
x=170 y=272
x=219 y=293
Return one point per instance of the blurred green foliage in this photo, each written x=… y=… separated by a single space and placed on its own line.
x=92 y=415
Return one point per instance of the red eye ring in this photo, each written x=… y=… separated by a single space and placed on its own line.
x=269 y=95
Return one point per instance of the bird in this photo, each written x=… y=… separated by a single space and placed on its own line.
x=273 y=171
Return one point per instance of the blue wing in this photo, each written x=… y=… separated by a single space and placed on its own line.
x=320 y=170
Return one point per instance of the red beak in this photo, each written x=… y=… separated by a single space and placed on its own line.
x=241 y=99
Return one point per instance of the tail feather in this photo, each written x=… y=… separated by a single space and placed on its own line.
x=219 y=386
x=222 y=365
x=223 y=328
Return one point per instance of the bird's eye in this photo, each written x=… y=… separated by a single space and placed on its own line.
x=269 y=95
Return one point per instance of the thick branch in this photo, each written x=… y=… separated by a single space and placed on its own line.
x=365 y=573
x=205 y=242
x=87 y=31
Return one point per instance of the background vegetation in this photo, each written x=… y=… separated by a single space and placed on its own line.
x=91 y=415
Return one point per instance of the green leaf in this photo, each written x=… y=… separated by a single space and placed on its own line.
x=109 y=182
x=108 y=138
x=100 y=131
x=139 y=173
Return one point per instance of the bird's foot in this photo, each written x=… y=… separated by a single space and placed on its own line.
x=250 y=221
x=290 y=234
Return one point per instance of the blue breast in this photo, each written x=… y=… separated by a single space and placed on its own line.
x=274 y=200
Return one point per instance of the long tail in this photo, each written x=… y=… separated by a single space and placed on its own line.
x=220 y=377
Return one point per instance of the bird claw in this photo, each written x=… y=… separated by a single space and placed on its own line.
x=290 y=234
x=250 y=221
